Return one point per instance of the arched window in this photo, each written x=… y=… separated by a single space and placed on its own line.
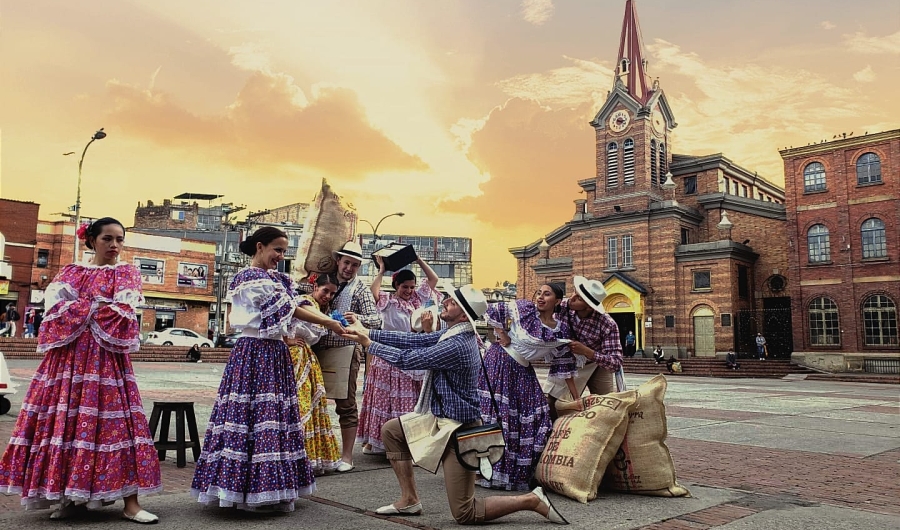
x=819 y=243
x=612 y=165
x=814 y=177
x=654 y=174
x=628 y=162
x=662 y=163
x=880 y=321
x=874 y=242
x=868 y=169
x=824 y=326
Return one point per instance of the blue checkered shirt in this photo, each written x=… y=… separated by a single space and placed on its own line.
x=455 y=364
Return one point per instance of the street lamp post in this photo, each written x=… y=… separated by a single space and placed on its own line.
x=99 y=135
x=375 y=228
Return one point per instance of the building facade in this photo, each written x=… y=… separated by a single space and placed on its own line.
x=688 y=247
x=176 y=273
x=18 y=222
x=843 y=212
x=450 y=257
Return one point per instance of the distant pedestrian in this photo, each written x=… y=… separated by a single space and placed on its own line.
x=761 y=349
x=630 y=344
x=29 y=323
x=193 y=354
x=731 y=361
x=659 y=355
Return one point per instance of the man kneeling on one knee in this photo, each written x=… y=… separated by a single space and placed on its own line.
x=453 y=359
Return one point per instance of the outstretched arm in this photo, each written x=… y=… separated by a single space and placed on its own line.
x=376 y=282
x=429 y=273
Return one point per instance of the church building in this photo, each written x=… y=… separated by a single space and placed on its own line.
x=691 y=249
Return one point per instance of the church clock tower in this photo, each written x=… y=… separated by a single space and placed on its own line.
x=633 y=128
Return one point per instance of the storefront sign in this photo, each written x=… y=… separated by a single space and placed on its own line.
x=160 y=304
x=192 y=275
x=152 y=270
x=37 y=297
x=4 y=286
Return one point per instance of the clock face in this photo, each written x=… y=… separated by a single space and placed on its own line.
x=619 y=120
x=659 y=123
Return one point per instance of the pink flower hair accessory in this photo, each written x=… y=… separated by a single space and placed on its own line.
x=81 y=231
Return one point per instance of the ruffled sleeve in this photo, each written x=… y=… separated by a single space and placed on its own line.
x=115 y=325
x=69 y=314
x=497 y=315
x=268 y=297
x=382 y=302
x=306 y=331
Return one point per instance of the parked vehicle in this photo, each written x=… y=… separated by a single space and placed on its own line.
x=227 y=341
x=177 y=337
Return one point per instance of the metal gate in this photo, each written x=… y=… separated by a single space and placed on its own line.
x=773 y=323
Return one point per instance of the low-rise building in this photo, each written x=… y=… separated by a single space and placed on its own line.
x=18 y=220
x=450 y=257
x=175 y=273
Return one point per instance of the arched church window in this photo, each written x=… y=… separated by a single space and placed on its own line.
x=654 y=167
x=612 y=165
x=628 y=162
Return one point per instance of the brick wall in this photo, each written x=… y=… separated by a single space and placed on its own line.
x=18 y=223
x=842 y=207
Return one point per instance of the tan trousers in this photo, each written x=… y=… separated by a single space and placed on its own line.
x=346 y=409
x=600 y=383
x=458 y=481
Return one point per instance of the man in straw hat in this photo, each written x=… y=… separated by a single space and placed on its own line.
x=353 y=296
x=596 y=338
x=453 y=358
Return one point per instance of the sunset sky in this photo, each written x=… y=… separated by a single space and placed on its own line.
x=471 y=116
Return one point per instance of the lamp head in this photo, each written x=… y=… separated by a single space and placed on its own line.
x=99 y=135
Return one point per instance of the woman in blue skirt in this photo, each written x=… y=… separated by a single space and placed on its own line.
x=253 y=454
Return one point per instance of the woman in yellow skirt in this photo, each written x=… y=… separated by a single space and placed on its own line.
x=322 y=448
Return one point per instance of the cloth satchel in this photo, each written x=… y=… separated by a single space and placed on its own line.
x=479 y=448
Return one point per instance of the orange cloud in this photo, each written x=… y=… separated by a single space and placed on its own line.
x=534 y=156
x=271 y=122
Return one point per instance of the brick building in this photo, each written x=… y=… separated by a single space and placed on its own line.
x=690 y=248
x=177 y=284
x=843 y=210
x=18 y=221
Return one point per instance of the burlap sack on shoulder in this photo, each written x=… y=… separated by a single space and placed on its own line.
x=584 y=440
x=330 y=222
x=643 y=463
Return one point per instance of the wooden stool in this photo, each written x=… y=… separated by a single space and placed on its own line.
x=184 y=410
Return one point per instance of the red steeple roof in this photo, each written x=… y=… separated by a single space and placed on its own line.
x=631 y=63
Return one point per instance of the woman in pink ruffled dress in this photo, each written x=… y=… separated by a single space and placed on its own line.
x=390 y=392
x=82 y=438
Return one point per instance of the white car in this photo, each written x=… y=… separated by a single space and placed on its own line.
x=177 y=337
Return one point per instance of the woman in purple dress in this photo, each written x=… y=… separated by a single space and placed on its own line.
x=82 y=438
x=526 y=331
x=253 y=454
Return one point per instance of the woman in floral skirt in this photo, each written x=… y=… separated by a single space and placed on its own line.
x=321 y=445
x=391 y=392
x=253 y=454
x=526 y=331
x=82 y=439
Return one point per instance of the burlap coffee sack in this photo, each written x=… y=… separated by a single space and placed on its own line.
x=330 y=222
x=643 y=464
x=583 y=443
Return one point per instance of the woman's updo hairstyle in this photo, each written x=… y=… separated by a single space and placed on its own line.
x=264 y=235
x=402 y=276
x=93 y=230
x=326 y=278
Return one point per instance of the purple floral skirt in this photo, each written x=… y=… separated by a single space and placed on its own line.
x=253 y=452
x=524 y=415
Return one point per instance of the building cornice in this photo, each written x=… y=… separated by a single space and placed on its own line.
x=684 y=164
x=769 y=210
x=843 y=143
x=553 y=266
x=722 y=249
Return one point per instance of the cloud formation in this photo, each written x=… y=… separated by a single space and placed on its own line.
x=534 y=157
x=826 y=25
x=537 y=11
x=272 y=122
x=861 y=43
x=866 y=75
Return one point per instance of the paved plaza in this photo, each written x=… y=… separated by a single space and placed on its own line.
x=755 y=453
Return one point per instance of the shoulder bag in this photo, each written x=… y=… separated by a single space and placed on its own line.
x=479 y=448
